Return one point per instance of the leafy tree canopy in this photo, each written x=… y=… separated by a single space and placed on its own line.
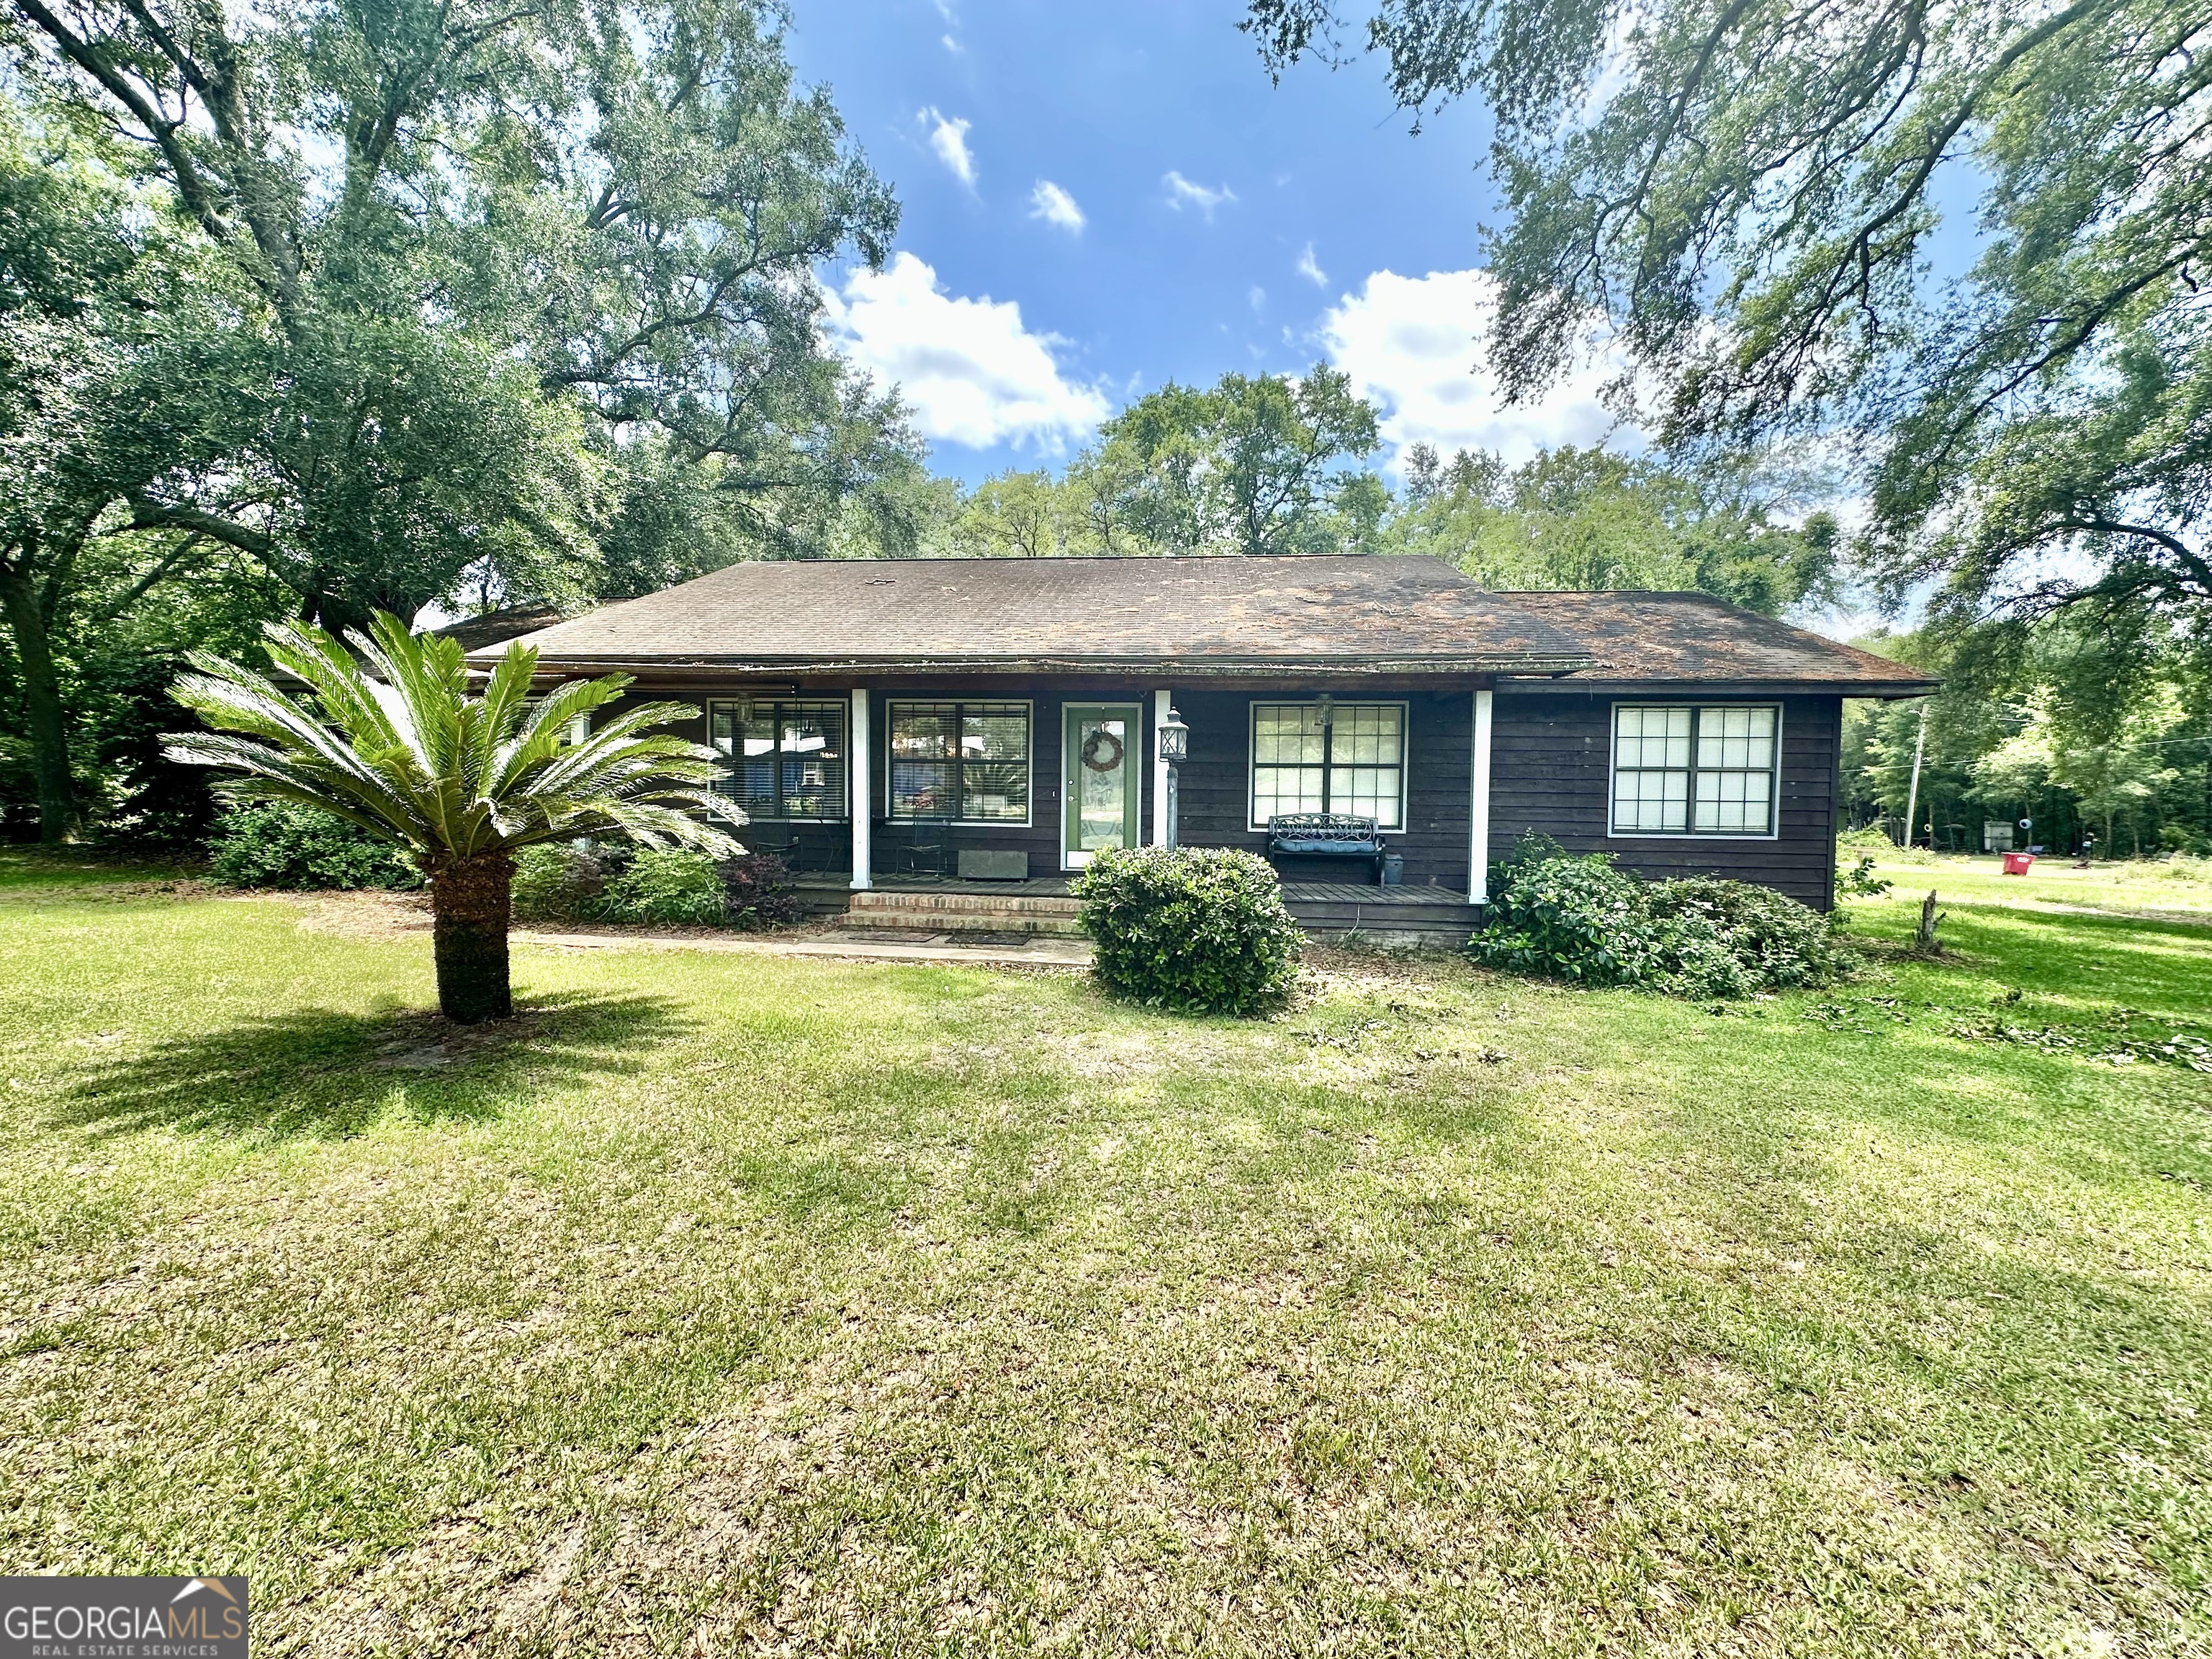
x=1589 y=518
x=483 y=250
x=115 y=331
x=1748 y=191
x=2095 y=721
x=1260 y=464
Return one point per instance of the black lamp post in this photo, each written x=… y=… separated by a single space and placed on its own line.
x=1175 y=747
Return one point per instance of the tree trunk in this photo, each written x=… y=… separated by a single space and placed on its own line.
x=469 y=902
x=46 y=722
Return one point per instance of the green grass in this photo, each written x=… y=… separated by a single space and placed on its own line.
x=733 y=1303
x=2180 y=888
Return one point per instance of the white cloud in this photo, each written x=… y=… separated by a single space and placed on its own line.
x=949 y=138
x=1310 y=268
x=1410 y=345
x=973 y=374
x=1049 y=203
x=1258 y=297
x=1182 y=193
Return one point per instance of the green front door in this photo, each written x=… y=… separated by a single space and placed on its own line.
x=1099 y=761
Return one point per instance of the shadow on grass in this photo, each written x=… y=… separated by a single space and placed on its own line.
x=319 y=1073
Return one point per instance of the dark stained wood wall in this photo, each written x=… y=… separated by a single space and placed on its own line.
x=1216 y=781
x=1548 y=773
x=828 y=847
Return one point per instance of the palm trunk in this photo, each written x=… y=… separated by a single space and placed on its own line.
x=469 y=903
x=46 y=722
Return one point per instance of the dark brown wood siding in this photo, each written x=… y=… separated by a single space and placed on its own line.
x=1216 y=781
x=1549 y=773
x=893 y=843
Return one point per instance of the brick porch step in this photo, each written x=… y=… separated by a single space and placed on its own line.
x=964 y=912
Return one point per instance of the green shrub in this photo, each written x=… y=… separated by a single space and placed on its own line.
x=1568 y=918
x=757 y=891
x=565 y=881
x=1200 y=930
x=1772 y=942
x=603 y=881
x=1860 y=880
x=278 y=844
x=1581 y=919
x=673 y=888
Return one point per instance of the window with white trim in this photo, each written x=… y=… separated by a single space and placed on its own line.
x=782 y=758
x=1684 y=770
x=1329 y=757
x=969 y=761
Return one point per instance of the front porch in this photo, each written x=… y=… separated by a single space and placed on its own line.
x=1327 y=909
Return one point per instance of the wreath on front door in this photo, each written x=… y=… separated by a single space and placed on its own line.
x=1102 y=750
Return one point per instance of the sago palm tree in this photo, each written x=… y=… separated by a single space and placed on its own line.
x=402 y=750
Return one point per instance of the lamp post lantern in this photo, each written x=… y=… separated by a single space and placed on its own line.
x=1174 y=748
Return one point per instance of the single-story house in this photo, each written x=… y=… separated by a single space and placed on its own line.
x=944 y=723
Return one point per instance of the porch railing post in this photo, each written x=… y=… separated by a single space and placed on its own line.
x=1160 y=705
x=863 y=774
x=1478 y=805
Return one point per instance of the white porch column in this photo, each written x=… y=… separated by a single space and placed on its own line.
x=1160 y=703
x=1477 y=827
x=863 y=770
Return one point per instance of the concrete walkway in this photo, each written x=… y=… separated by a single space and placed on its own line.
x=933 y=947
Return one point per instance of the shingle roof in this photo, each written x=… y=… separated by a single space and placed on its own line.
x=1193 y=618
x=1194 y=615
x=1644 y=637
x=497 y=626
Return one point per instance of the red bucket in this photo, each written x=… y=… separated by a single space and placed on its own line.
x=2018 y=864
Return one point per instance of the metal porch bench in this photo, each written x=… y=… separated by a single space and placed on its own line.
x=1326 y=835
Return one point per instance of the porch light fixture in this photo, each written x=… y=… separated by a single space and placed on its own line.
x=1325 y=709
x=1174 y=738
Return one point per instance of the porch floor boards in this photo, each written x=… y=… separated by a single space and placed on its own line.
x=1294 y=892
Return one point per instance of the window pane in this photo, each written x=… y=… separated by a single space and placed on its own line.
x=1365 y=734
x=746 y=747
x=1651 y=802
x=1366 y=791
x=1277 y=789
x=1736 y=737
x=811 y=739
x=924 y=789
x=1735 y=802
x=1286 y=734
x=994 y=732
x=996 y=790
x=923 y=730
x=1652 y=736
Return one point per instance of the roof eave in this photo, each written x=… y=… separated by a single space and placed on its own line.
x=1766 y=686
x=1208 y=667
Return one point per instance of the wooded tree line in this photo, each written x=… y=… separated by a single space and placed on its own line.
x=319 y=310
x=1958 y=243
x=2096 y=725
x=1262 y=464
x=323 y=310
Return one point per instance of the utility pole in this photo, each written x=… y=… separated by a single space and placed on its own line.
x=1912 y=795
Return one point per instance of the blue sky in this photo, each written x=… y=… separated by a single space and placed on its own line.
x=1101 y=198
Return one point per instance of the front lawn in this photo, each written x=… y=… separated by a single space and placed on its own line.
x=2180 y=888
x=728 y=1304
